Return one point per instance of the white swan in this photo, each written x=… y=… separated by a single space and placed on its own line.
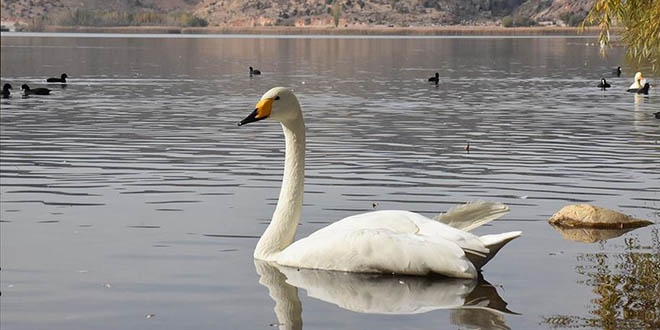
x=399 y=242
x=638 y=82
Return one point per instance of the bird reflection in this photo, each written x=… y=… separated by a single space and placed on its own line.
x=475 y=303
x=288 y=308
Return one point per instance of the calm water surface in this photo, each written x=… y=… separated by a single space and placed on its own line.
x=131 y=200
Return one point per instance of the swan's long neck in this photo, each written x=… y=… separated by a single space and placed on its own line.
x=282 y=229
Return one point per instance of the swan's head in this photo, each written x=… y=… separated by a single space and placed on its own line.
x=279 y=104
x=638 y=76
x=25 y=87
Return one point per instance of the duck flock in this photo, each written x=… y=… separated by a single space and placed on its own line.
x=27 y=91
x=639 y=85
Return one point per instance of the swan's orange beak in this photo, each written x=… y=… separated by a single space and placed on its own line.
x=262 y=111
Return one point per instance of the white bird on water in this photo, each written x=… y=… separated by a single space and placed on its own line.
x=398 y=242
x=638 y=82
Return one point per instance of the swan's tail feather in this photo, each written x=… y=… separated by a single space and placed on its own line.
x=472 y=215
x=494 y=243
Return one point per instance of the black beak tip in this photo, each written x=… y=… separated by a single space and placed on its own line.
x=250 y=119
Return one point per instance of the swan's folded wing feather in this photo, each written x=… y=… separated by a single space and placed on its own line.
x=403 y=222
x=395 y=221
x=472 y=215
x=379 y=251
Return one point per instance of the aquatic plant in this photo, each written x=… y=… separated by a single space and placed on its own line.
x=626 y=287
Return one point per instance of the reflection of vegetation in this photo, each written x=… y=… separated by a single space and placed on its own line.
x=627 y=290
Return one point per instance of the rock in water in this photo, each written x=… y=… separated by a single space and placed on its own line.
x=590 y=216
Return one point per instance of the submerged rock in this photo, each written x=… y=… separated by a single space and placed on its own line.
x=590 y=216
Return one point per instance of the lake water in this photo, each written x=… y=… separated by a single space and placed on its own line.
x=131 y=200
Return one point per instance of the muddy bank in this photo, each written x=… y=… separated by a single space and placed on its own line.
x=350 y=30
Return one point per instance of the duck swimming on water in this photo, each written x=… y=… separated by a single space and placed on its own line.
x=37 y=91
x=254 y=71
x=386 y=242
x=617 y=71
x=435 y=79
x=644 y=90
x=5 y=91
x=604 y=84
x=61 y=79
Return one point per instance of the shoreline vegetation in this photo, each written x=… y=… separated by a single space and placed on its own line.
x=460 y=30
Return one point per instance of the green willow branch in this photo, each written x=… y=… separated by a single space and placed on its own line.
x=640 y=22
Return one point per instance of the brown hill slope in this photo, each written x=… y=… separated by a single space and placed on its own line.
x=312 y=12
x=26 y=10
x=379 y=12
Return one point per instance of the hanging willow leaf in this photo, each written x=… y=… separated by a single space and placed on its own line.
x=640 y=23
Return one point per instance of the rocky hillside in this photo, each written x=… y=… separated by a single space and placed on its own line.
x=26 y=12
x=352 y=12
x=547 y=10
x=312 y=12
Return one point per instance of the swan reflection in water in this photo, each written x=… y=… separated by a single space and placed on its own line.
x=475 y=303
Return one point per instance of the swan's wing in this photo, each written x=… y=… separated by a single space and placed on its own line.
x=403 y=222
x=378 y=250
x=395 y=221
x=472 y=215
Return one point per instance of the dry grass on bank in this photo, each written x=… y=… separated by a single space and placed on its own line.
x=324 y=30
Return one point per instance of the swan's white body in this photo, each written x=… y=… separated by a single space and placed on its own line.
x=398 y=242
x=638 y=82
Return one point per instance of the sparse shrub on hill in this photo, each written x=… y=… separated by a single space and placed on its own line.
x=336 y=12
x=189 y=20
x=36 y=24
x=507 y=21
x=573 y=19
x=285 y=22
x=84 y=17
x=516 y=21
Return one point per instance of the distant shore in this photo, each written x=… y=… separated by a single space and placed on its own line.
x=327 y=30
